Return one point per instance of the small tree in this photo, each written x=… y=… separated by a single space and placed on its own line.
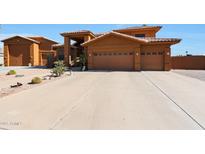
x=59 y=68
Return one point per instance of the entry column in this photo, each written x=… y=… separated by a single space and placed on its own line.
x=67 y=55
x=6 y=55
x=137 y=60
x=167 y=59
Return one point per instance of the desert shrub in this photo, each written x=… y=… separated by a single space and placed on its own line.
x=59 y=68
x=83 y=60
x=11 y=72
x=36 y=80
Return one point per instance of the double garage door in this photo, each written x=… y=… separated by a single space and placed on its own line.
x=113 y=60
x=125 y=61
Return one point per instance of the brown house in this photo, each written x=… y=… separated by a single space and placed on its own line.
x=24 y=51
x=134 y=48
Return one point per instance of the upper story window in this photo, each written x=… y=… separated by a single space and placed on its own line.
x=139 y=35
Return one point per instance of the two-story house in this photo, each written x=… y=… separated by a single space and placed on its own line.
x=133 y=48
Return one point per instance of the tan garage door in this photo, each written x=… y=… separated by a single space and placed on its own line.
x=19 y=55
x=113 y=60
x=152 y=61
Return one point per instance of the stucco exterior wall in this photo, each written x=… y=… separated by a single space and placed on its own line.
x=34 y=49
x=188 y=62
x=148 y=33
x=111 y=44
x=44 y=44
x=117 y=44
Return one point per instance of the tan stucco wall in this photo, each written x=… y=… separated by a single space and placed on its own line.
x=148 y=33
x=112 y=44
x=34 y=54
x=6 y=55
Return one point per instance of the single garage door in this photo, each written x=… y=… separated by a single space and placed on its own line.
x=19 y=55
x=152 y=61
x=113 y=60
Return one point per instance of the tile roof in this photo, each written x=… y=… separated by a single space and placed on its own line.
x=143 y=40
x=62 y=45
x=153 y=39
x=118 y=34
x=139 y=27
x=29 y=39
x=98 y=34
x=77 y=32
x=36 y=37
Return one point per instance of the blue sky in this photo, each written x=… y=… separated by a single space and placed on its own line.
x=193 y=36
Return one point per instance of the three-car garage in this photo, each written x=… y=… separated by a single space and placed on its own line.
x=125 y=61
x=116 y=51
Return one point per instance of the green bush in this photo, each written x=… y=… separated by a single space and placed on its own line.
x=83 y=59
x=36 y=80
x=59 y=68
x=11 y=72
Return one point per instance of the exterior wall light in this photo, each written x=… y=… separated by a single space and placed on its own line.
x=167 y=53
x=137 y=54
x=90 y=55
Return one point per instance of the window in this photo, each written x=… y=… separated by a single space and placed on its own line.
x=95 y=54
x=142 y=53
x=148 y=53
x=154 y=53
x=139 y=35
x=160 y=53
x=130 y=53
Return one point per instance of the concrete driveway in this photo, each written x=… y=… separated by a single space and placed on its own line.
x=109 y=100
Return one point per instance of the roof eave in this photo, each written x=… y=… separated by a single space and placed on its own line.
x=28 y=39
x=116 y=34
x=69 y=34
x=165 y=42
x=156 y=28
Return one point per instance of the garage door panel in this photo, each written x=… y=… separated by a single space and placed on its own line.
x=152 y=62
x=113 y=61
x=19 y=55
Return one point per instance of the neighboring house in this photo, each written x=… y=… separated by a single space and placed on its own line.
x=1 y=57
x=134 y=48
x=24 y=51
